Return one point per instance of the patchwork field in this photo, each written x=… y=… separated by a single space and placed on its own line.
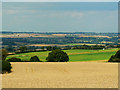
x=74 y=55
x=61 y=75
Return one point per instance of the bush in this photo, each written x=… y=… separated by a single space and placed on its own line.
x=57 y=56
x=6 y=66
x=115 y=58
x=4 y=54
x=34 y=59
x=23 y=49
x=110 y=60
x=117 y=55
x=13 y=59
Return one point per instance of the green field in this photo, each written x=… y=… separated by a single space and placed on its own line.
x=74 y=55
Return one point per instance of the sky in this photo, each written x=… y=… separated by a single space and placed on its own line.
x=59 y=0
x=60 y=16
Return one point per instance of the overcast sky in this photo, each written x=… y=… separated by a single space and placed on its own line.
x=60 y=16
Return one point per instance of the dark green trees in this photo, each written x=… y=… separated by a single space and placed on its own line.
x=6 y=66
x=14 y=59
x=10 y=48
x=4 y=54
x=43 y=48
x=34 y=59
x=23 y=49
x=49 y=48
x=115 y=58
x=57 y=56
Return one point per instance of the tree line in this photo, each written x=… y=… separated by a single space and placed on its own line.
x=59 y=40
x=24 y=49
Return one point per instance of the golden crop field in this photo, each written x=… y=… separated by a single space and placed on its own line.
x=61 y=75
x=23 y=35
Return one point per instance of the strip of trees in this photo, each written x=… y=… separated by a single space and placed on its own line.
x=115 y=58
x=25 y=49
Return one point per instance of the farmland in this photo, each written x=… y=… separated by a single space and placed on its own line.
x=61 y=75
x=78 y=73
x=37 y=40
x=87 y=67
x=74 y=55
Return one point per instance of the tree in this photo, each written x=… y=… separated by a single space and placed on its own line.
x=14 y=59
x=115 y=58
x=57 y=56
x=23 y=49
x=34 y=59
x=117 y=55
x=67 y=47
x=54 y=47
x=10 y=48
x=43 y=48
x=49 y=48
x=4 y=54
x=6 y=66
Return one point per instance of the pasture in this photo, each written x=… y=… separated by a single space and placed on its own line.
x=74 y=55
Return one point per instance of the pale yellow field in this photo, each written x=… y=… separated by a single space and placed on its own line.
x=46 y=45
x=23 y=35
x=62 y=75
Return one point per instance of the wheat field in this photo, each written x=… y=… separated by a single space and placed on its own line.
x=61 y=75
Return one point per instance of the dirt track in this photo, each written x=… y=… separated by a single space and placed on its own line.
x=62 y=75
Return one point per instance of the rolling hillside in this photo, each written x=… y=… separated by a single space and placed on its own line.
x=74 y=55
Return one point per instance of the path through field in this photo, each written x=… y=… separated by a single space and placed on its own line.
x=61 y=75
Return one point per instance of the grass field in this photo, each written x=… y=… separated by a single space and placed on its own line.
x=61 y=75
x=74 y=55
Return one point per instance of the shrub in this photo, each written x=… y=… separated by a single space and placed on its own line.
x=115 y=58
x=14 y=59
x=110 y=60
x=117 y=55
x=6 y=66
x=4 y=54
x=23 y=49
x=34 y=59
x=57 y=56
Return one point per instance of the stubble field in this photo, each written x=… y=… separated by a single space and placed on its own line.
x=61 y=75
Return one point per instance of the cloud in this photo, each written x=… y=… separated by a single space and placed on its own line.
x=58 y=14
x=12 y=11
x=68 y=13
x=77 y=14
